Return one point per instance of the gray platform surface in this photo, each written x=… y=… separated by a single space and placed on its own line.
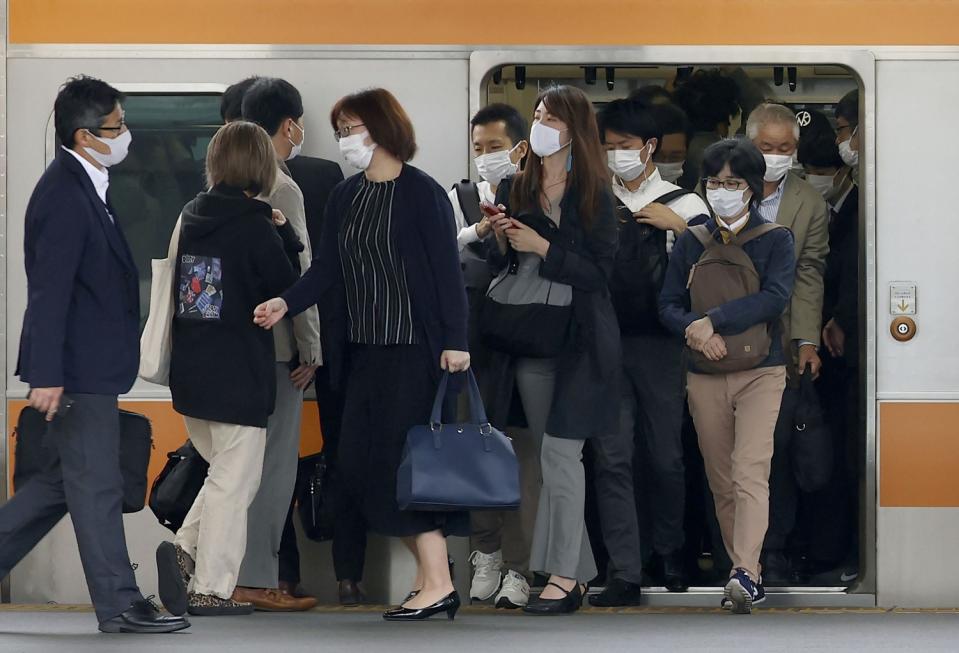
x=32 y=630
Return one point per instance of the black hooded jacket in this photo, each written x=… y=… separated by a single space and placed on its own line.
x=230 y=258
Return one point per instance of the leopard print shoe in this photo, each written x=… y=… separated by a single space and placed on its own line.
x=208 y=605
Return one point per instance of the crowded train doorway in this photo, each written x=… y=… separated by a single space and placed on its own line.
x=821 y=542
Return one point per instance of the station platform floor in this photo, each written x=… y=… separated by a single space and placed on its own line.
x=72 y=629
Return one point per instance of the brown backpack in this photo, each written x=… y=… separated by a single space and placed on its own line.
x=722 y=274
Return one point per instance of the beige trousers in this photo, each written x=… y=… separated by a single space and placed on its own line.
x=214 y=531
x=735 y=416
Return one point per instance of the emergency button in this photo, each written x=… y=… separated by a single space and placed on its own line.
x=903 y=329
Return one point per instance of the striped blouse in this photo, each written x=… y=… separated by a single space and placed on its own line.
x=377 y=297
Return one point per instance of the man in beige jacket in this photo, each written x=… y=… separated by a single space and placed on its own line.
x=790 y=201
x=276 y=105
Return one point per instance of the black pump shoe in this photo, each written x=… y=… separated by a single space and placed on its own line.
x=566 y=605
x=448 y=604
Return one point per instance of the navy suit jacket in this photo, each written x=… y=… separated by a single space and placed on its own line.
x=81 y=327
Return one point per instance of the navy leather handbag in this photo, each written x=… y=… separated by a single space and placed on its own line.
x=451 y=467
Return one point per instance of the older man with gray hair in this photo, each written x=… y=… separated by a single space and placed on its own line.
x=790 y=201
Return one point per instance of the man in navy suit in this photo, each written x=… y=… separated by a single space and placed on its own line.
x=79 y=350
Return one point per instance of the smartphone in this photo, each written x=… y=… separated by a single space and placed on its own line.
x=489 y=209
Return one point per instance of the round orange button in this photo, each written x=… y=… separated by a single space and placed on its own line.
x=903 y=329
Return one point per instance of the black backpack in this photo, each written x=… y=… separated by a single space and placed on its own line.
x=136 y=444
x=473 y=259
x=639 y=271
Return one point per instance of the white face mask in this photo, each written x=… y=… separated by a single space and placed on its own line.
x=849 y=156
x=496 y=166
x=544 y=140
x=356 y=152
x=119 y=147
x=727 y=204
x=822 y=183
x=295 y=152
x=777 y=165
x=671 y=171
x=628 y=164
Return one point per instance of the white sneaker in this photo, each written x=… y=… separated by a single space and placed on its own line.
x=514 y=593
x=487 y=575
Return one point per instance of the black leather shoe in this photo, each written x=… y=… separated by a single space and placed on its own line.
x=448 y=604
x=617 y=594
x=775 y=569
x=143 y=617
x=351 y=594
x=675 y=578
x=566 y=605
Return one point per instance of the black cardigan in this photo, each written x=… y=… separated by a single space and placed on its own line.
x=222 y=364
x=586 y=396
x=424 y=234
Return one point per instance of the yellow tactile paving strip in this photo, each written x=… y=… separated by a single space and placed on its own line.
x=369 y=609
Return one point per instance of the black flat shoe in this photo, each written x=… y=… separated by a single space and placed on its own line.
x=351 y=594
x=566 y=605
x=143 y=617
x=675 y=578
x=448 y=604
x=171 y=578
x=618 y=593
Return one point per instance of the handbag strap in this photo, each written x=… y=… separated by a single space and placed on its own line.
x=174 y=239
x=477 y=410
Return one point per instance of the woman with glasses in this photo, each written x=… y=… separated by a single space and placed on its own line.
x=388 y=284
x=734 y=392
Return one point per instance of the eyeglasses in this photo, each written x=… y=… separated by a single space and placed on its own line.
x=104 y=128
x=712 y=183
x=343 y=132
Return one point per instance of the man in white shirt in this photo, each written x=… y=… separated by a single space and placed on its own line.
x=651 y=211
x=501 y=541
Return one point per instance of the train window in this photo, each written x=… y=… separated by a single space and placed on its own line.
x=162 y=172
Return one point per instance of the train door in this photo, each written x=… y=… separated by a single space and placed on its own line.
x=821 y=543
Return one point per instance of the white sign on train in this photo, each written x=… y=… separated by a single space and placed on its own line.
x=902 y=298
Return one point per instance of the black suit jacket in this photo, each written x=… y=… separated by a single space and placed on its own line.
x=841 y=280
x=81 y=326
x=316 y=179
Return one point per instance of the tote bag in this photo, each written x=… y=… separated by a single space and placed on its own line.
x=156 y=341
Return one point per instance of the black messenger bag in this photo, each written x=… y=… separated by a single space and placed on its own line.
x=136 y=443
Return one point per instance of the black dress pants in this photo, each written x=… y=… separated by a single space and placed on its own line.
x=83 y=478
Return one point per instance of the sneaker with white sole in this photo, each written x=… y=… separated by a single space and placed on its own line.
x=514 y=594
x=487 y=575
x=741 y=592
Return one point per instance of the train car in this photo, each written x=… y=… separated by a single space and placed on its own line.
x=444 y=59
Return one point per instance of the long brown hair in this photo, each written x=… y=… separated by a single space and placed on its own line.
x=589 y=175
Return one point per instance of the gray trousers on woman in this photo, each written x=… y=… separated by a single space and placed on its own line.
x=560 y=542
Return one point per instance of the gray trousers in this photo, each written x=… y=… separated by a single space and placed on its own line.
x=560 y=543
x=267 y=514
x=652 y=414
x=511 y=531
x=82 y=478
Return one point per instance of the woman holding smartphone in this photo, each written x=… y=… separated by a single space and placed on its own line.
x=573 y=395
x=388 y=284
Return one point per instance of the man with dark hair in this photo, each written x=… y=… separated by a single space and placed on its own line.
x=79 y=350
x=670 y=156
x=847 y=128
x=276 y=105
x=711 y=101
x=500 y=540
x=231 y=104
x=651 y=95
x=653 y=212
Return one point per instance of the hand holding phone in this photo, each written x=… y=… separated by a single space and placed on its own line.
x=489 y=209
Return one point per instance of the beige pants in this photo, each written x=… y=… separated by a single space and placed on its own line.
x=735 y=416
x=214 y=531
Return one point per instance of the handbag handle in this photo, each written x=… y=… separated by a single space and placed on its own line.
x=477 y=410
